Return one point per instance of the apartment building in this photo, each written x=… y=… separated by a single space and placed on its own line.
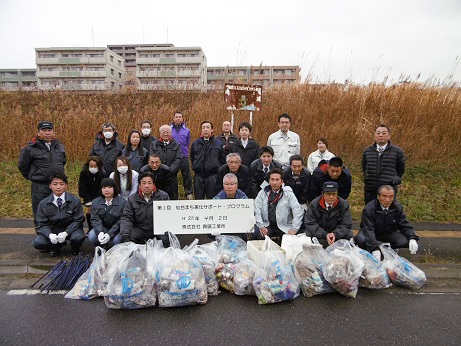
x=267 y=76
x=18 y=79
x=79 y=68
x=171 y=68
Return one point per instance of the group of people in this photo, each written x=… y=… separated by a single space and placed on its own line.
x=118 y=184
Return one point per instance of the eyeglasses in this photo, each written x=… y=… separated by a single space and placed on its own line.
x=229 y=184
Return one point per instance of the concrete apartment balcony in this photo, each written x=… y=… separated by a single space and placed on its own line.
x=155 y=74
x=160 y=61
x=60 y=74
x=70 y=61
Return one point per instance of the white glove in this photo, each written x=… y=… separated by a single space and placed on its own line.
x=413 y=246
x=62 y=237
x=53 y=238
x=304 y=206
x=215 y=233
x=103 y=238
x=377 y=254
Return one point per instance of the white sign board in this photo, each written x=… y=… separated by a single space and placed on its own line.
x=204 y=216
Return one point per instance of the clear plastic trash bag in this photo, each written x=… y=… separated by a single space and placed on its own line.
x=229 y=248
x=244 y=272
x=401 y=271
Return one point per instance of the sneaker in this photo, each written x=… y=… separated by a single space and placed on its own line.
x=190 y=197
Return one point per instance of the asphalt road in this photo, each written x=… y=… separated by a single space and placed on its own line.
x=384 y=317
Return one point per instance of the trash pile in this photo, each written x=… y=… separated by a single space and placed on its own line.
x=132 y=276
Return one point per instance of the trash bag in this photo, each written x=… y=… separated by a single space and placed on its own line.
x=229 y=248
x=129 y=286
x=293 y=244
x=344 y=268
x=90 y=284
x=401 y=271
x=225 y=276
x=207 y=256
x=244 y=272
x=308 y=269
x=274 y=280
x=180 y=277
x=374 y=275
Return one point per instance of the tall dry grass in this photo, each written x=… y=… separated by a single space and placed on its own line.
x=425 y=121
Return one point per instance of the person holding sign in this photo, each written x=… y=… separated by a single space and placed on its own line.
x=277 y=211
x=206 y=155
x=137 y=224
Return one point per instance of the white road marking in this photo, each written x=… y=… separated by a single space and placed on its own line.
x=428 y=293
x=29 y=292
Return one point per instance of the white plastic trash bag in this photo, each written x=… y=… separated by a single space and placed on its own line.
x=293 y=244
x=401 y=271
x=90 y=285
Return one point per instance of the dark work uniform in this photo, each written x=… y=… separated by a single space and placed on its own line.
x=147 y=141
x=299 y=184
x=137 y=224
x=389 y=226
x=37 y=163
x=136 y=159
x=106 y=219
x=258 y=175
x=243 y=177
x=107 y=152
x=206 y=157
x=227 y=142
x=247 y=154
x=319 y=177
x=162 y=177
x=89 y=188
x=51 y=219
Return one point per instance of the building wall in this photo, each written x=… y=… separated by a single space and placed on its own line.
x=15 y=79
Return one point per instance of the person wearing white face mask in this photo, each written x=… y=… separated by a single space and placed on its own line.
x=89 y=182
x=146 y=138
x=107 y=147
x=125 y=177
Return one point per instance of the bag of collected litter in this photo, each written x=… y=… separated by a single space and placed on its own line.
x=401 y=271
x=344 y=268
x=129 y=286
x=244 y=272
x=180 y=277
x=308 y=269
x=207 y=256
x=225 y=276
x=229 y=248
x=90 y=284
x=274 y=280
x=293 y=244
x=374 y=274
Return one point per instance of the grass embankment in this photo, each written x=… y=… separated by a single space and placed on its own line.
x=430 y=192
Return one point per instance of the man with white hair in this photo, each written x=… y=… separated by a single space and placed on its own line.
x=170 y=154
x=234 y=165
x=230 y=188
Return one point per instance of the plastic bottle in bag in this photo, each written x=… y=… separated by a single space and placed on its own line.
x=308 y=269
x=344 y=268
x=229 y=248
x=401 y=271
x=274 y=280
x=244 y=273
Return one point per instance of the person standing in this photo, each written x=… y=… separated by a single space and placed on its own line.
x=227 y=138
x=206 y=155
x=107 y=147
x=284 y=142
x=170 y=154
x=320 y=154
x=146 y=138
x=382 y=164
x=245 y=146
x=181 y=134
x=39 y=159
x=134 y=152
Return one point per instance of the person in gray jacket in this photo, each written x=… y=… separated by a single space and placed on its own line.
x=107 y=147
x=137 y=224
x=277 y=211
x=106 y=212
x=328 y=217
x=59 y=218
x=39 y=159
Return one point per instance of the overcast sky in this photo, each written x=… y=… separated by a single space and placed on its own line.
x=362 y=40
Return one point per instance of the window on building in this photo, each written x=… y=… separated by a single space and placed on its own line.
x=112 y=71
x=130 y=60
x=49 y=55
x=111 y=58
x=96 y=55
x=169 y=55
x=181 y=55
x=119 y=75
x=28 y=74
x=119 y=63
x=112 y=84
x=8 y=74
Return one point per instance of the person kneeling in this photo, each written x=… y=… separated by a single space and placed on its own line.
x=137 y=224
x=328 y=217
x=277 y=211
x=106 y=212
x=383 y=220
x=59 y=218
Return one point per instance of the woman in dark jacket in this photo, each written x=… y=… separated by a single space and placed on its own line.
x=135 y=152
x=89 y=183
x=106 y=212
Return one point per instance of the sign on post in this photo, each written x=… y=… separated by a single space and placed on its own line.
x=243 y=97
x=204 y=216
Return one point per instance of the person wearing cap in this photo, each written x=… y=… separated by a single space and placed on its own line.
x=333 y=171
x=382 y=164
x=277 y=211
x=39 y=159
x=284 y=142
x=146 y=138
x=328 y=217
x=107 y=147
x=383 y=220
